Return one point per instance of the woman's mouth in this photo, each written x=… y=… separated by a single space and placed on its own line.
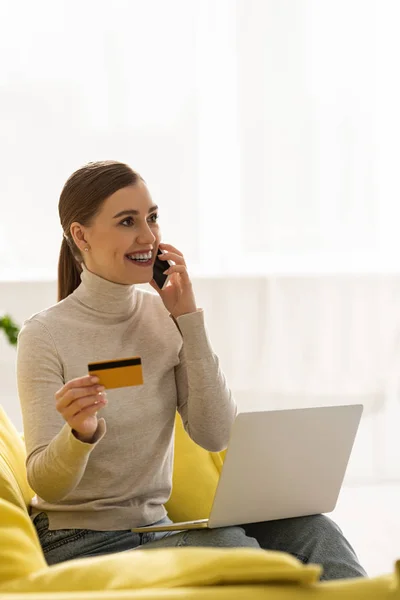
x=141 y=259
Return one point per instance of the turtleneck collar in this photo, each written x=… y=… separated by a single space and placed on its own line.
x=113 y=299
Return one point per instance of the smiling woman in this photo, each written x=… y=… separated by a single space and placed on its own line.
x=111 y=240
x=109 y=222
x=110 y=227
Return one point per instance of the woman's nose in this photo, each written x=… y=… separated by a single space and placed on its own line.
x=145 y=235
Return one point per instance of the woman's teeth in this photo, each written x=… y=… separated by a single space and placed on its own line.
x=140 y=257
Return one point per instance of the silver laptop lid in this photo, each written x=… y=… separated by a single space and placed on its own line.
x=284 y=463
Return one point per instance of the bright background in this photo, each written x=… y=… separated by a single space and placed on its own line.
x=267 y=131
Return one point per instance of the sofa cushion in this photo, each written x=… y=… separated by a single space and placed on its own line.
x=20 y=551
x=14 y=486
x=23 y=571
x=195 y=477
x=167 y=568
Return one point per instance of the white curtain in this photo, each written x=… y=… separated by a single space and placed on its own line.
x=268 y=133
x=266 y=129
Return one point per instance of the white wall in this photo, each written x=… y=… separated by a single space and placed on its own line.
x=20 y=300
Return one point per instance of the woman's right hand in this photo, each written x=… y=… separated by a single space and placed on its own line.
x=78 y=402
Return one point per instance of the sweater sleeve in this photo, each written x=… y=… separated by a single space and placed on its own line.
x=56 y=459
x=205 y=402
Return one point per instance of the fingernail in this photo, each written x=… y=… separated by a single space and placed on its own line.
x=166 y=272
x=100 y=388
x=94 y=379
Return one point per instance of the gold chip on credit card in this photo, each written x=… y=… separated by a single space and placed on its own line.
x=120 y=372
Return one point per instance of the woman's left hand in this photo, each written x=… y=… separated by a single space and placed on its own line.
x=178 y=296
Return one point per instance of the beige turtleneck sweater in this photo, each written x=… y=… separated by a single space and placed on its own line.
x=123 y=479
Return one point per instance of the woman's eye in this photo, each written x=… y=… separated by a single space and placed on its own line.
x=128 y=222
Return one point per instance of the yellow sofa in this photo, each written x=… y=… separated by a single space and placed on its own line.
x=165 y=574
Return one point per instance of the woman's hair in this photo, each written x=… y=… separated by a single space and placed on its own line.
x=81 y=199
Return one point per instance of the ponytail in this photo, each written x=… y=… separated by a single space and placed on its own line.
x=69 y=271
x=81 y=199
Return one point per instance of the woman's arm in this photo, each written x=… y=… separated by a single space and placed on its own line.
x=56 y=459
x=205 y=402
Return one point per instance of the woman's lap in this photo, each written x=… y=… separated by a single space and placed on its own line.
x=66 y=544
x=315 y=539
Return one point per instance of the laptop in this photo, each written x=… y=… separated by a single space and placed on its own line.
x=280 y=464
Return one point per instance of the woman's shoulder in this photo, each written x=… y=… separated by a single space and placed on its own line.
x=42 y=320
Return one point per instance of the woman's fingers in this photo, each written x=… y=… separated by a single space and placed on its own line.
x=176 y=258
x=72 y=394
x=172 y=253
x=182 y=270
x=78 y=401
x=78 y=382
x=170 y=248
x=83 y=403
x=80 y=394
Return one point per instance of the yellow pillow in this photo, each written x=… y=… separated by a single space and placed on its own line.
x=195 y=478
x=167 y=568
x=20 y=550
x=13 y=481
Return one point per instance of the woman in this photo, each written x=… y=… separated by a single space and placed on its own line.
x=98 y=477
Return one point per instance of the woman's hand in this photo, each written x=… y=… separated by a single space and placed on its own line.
x=178 y=296
x=78 y=402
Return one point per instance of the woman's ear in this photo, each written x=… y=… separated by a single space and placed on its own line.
x=78 y=235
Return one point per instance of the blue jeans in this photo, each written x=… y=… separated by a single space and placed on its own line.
x=314 y=539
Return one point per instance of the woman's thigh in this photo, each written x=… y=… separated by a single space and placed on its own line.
x=224 y=537
x=312 y=539
x=66 y=544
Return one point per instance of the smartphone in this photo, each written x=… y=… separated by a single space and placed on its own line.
x=158 y=271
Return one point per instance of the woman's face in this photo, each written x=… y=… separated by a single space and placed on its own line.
x=123 y=238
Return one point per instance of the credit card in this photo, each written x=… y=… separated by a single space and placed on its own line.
x=119 y=372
